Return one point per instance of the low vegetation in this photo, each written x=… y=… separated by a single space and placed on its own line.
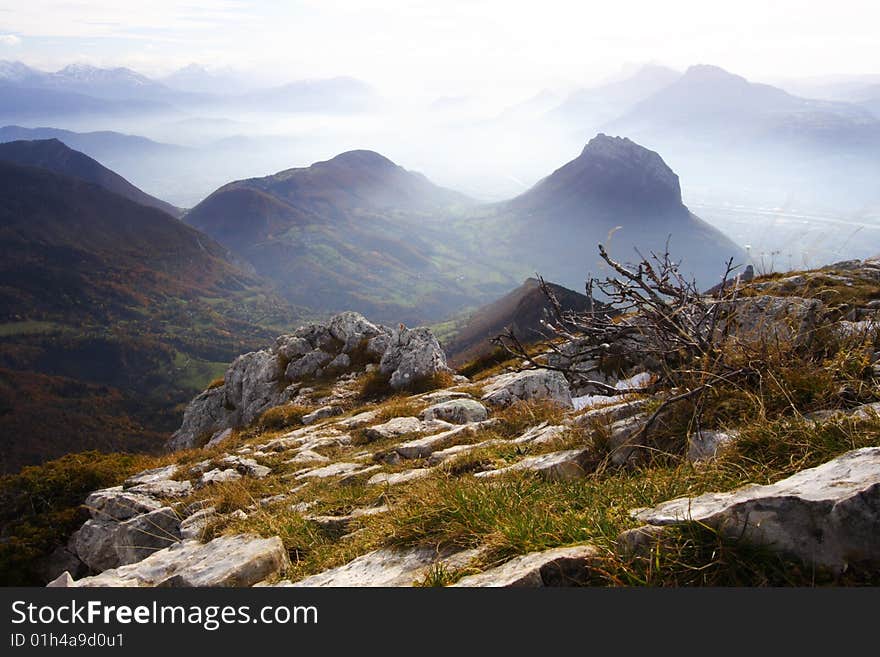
x=40 y=507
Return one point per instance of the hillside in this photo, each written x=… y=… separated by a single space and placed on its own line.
x=752 y=472
x=53 y=155
x=356 y=231
x=119 y=299
x=521 y=310
x=615 y=192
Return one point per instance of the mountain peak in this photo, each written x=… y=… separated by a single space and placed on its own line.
x=615 y=172
x=362 y=158
x=605 y=145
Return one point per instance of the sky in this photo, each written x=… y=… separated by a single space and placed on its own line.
x=450 y=47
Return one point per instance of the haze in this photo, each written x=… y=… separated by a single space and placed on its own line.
x=488 y=97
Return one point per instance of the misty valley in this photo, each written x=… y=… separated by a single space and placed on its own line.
x=316 y=335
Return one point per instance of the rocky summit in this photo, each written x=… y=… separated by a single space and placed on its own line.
x=348 y=454
x=268 y=378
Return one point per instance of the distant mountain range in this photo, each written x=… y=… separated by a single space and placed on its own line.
x=80 y=89
x=597 y=105
x=361 y=232
x=753 y=143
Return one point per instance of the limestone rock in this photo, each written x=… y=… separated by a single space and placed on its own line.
x=204 y=416
x=217 y=476
x=639 y=541
x=252 y=385
x=118 y=504
x=387 y=567
x=394 y=478
x=442 y=455
x=412 y=355
x=359 y=420
x=394 y=428
x=456 y=411
x=95 y=544
x=568 y=566
x=505 y=389
x=219 y=438
x=318 y=336
x=308 y=457
x=141 y=536
x=231 y=561
x=246 y=466
x=332 y=470
x=543 y=434
x=440 y=396
x=308 y=365
x=292 y=347
x=194 y=526
x=774 y=318
x=377 y=346
x=566 y=465
x=620 y=410
x=828 y=515
x=704 y=445
x=339 y=364
x=166 y=488
x=340 y=524
x=352 y=328
x=321 y=414
x=423 y=447
x=150 y=476
x=626 y=438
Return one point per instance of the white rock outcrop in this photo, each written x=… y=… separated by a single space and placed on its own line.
x=240 y=560
x=506 y=389
x=828 y=515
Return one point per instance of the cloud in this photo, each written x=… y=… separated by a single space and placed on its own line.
x=9 y=40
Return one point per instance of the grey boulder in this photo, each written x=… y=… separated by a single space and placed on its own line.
x=230 y=561
x=141 y=536
x=828 y=515
x=412 y=355
x=506 y=389
x=456 y=411
x=568 y=566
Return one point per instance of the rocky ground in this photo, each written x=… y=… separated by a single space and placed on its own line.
x=319 y=462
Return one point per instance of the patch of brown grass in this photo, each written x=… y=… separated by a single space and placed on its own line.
x=282 y=417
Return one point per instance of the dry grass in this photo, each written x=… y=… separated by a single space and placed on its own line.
x=216 y=383
x=374 y=386
x=398 y=406
x=282 y=417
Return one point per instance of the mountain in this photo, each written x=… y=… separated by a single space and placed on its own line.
x=356 y=231
x=195 y=78
x=107 y=83
x=105 y=298
x=55 y=156
x=609 y=100
x=17 y=72
x=18 y=100
x=100 y=145
x=758 y=147
x=709 y=100
x=616 y=193
x=520 y=310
